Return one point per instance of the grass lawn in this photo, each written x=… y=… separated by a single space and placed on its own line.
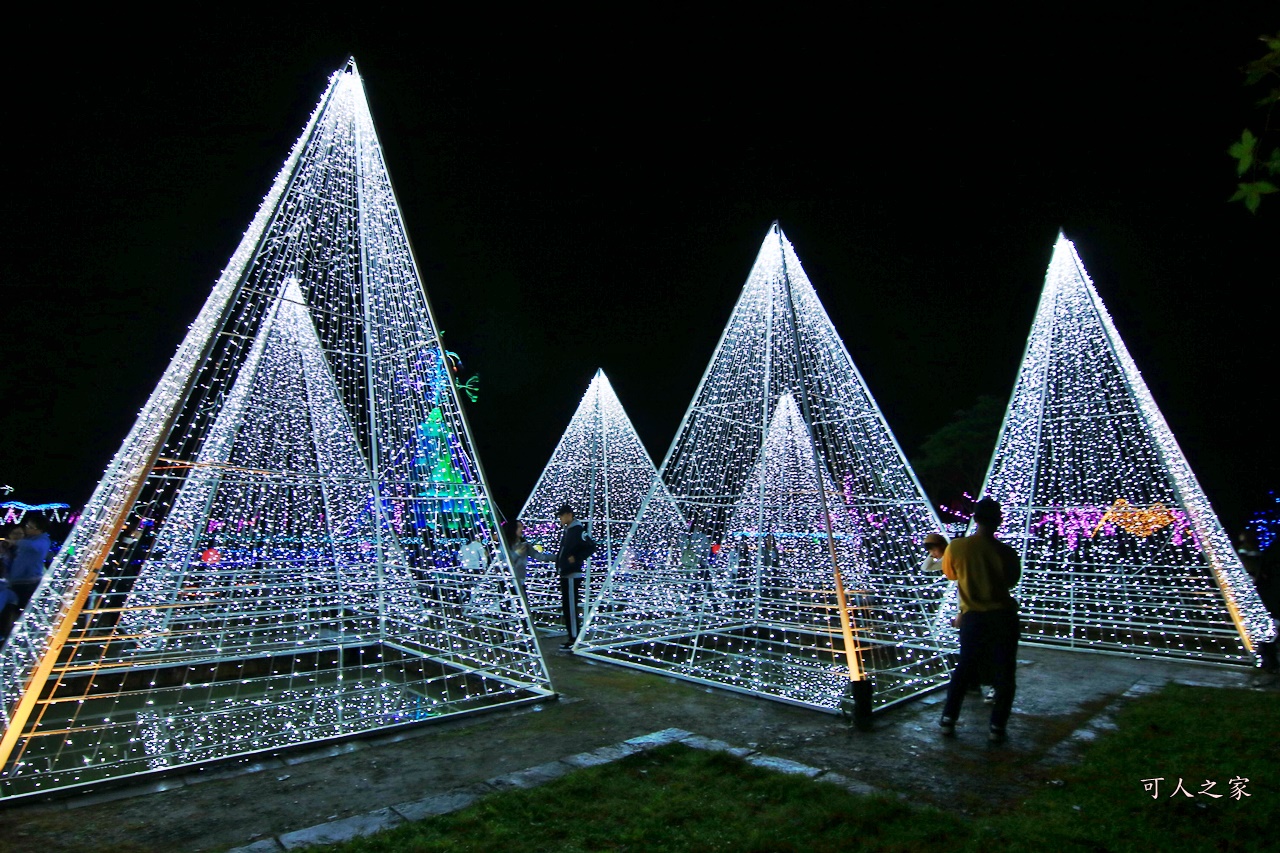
x=676 y=798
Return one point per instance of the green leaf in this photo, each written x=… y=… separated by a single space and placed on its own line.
x=1273 y=162
x=1251 y=193
x=1243 y=150
x=1267 y=64
x=1260 y=69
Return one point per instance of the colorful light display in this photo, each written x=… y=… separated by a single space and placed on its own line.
x=779 y=552
x=1121 y=550
x=1264 y=523
x=12 y=512
x=271 y=558
x=602 y=469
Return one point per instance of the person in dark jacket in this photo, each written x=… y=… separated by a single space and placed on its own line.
x=29 y=557
x=572 y=552
x=8 y=599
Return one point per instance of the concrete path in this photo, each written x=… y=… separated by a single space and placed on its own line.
x=280 y=801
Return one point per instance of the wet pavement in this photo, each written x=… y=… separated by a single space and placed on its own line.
x=1065 y=699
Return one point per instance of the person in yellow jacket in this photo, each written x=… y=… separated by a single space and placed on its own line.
x=986 y=570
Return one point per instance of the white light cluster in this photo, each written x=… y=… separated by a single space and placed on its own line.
x=271 y=558
x=1121 y=549
x=692 y=594
x=602 y=469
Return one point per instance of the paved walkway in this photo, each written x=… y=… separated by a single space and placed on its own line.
x=343 y=790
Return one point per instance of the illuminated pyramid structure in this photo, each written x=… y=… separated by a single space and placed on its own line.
x=271 y=557
x=603 y=470
x=779 y=554
x=1121 y=551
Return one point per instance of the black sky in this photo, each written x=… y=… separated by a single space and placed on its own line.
x=583 y=198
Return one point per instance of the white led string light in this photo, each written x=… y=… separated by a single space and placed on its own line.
x=602 y=469
x=691 y=594
x=271 y=557
x=1121 y=550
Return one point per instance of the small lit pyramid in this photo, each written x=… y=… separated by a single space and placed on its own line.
x=283 y=413
x=1121 y=551
x=603 y=470
x=779 y=553
x=272 y=557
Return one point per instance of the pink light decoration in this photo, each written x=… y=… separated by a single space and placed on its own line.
x=1076 y=523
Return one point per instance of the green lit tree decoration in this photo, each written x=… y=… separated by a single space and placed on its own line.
x=782 y=444
x=271 y=557
x=1121 y=550
x=601 y=467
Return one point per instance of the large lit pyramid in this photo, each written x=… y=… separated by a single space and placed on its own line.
x=779 y=553
x=1121 y=550
x=273 y=556
x=602 y=469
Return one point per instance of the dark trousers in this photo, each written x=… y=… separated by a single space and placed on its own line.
x=8 y=616
x=24 y=591
x=11 y=610
x=1267 y=656
x=570 y=596
x=988 y=645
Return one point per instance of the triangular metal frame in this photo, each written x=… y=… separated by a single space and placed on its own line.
x=688 y=596
x=601 y=467
x=1122 y=552
x=248 y=577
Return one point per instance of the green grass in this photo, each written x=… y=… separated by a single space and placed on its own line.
x=1192 y=733
x=676 y=798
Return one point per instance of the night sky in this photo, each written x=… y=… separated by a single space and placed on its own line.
x=583 y=196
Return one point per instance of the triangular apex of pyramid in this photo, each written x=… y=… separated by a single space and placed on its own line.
x=783 y=477
x=281 y=551
x=1121 y=550
x=601 y=468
